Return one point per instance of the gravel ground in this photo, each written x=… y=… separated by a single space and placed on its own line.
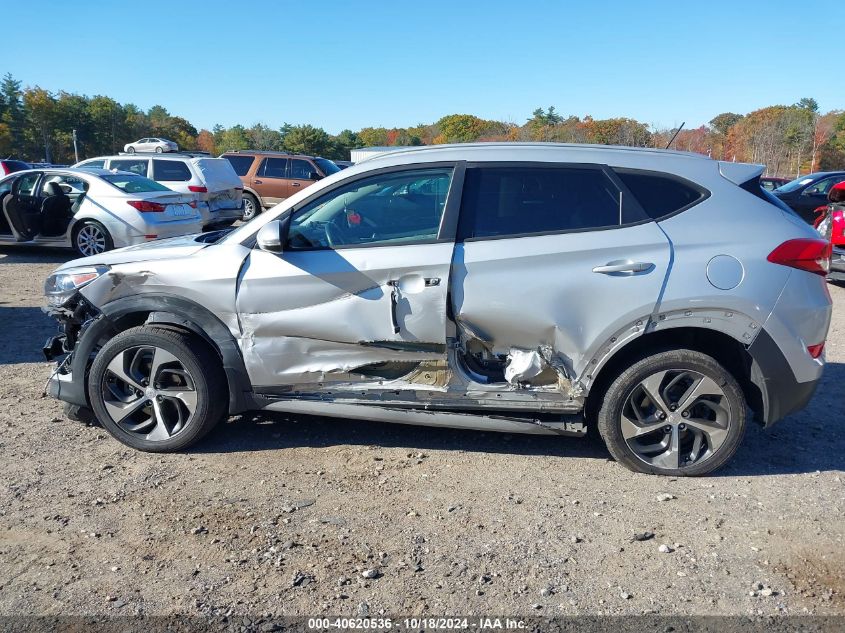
x=286 y=515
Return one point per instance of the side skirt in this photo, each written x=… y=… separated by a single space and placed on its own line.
x=572 y=426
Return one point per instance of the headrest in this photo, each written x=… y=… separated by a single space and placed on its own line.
x=837 y=193
x=53 y=189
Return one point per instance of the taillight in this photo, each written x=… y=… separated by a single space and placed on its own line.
x=147 y=206
x=805 y=254
x=197 y=189
x=816 y=350
x=837 y=218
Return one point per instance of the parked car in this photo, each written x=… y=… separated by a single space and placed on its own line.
x=536 y=288
x=216 y=186
x=804 y=195
x=151 y=144
x=8 y=166
x=343 y=164
x=270 y=177
x=834 y=229
x=770 y=183
x=91 y=211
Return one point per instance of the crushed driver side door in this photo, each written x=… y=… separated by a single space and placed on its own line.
x=358 y=295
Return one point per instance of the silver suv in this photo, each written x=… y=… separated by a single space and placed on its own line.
x=537 y=288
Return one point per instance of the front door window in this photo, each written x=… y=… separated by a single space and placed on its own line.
x=391 y=208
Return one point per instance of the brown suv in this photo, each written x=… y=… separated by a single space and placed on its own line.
x=270 y=177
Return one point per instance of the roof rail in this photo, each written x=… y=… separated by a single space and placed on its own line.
x=259 y=151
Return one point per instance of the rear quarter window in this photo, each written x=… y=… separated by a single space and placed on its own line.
x=240 y=164
x=661 y=195
x=171 y=170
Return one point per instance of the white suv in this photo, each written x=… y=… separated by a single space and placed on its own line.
x=218 y=188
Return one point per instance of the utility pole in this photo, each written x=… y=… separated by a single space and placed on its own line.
x=75 y=148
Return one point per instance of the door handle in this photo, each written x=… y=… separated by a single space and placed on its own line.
x=623 y=267
x=432 y=281
x=394 y=300
x=294 y=184
x=258 y=182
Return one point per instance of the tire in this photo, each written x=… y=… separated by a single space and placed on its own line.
x=159 y=150
x=251 y=207
x=91 y=238
x=695 y=438
x=168 y=411
x=131 y=150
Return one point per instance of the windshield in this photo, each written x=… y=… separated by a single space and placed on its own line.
x=131 y=183
x=327 y=166
x=795 y=184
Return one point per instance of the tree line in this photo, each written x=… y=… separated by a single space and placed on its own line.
x=37 y=125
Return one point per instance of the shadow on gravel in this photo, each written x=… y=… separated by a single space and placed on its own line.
x=809 y=441
x=23 y=331
x=35 y=255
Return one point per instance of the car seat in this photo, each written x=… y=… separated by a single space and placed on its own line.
x=55 y=210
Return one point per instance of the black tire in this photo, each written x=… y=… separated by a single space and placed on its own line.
x=250 y=201
x=677 y=364
x=93 y=227
x=131 y=150
x=204 y=373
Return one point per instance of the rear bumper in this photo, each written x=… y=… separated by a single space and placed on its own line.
x=781 y=393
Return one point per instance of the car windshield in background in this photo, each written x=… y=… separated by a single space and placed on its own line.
x=133 y=184
x=240 y=164
x=795 y=184
x=327 y=166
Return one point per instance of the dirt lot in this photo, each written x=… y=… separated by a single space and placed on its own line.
x=281 y=515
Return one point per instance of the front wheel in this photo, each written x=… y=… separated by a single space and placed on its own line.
x=91 y=238
x=677 y=412
x=156 y=389
x=159 y=150
x=131 y=150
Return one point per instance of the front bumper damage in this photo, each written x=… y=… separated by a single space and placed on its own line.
x=81 y=330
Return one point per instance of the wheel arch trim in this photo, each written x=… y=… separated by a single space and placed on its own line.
x=178 y=312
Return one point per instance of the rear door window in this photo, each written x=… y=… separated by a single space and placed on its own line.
x=660 y=194
x=274 y=168
x=527 y=200
x=134 y=165
x=171 y=170
x=240 y=164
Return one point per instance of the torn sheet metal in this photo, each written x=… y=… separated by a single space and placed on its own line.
x=523 y=365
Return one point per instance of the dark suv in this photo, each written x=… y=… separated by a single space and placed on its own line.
x=806 y=194
x=270 y=177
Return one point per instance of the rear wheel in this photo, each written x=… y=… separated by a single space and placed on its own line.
x=91 y=238
x=251 y=207
x=157 y=390
x=677 y=412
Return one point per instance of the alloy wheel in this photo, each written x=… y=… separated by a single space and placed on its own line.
x=90 y=240
x=148 y=392
x=675 y=418
x=249 y=209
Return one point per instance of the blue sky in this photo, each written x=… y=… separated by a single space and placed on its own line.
x=396 y=63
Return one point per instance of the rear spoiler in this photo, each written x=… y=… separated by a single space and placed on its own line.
x=739 y=173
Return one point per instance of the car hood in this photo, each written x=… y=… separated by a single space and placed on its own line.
x=171 y=248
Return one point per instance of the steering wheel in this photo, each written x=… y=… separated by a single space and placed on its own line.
x=336 y=235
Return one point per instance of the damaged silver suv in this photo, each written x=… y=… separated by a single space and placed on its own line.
x=538 y=288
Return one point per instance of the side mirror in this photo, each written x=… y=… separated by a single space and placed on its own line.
x=314 y=176
x=271 y=237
